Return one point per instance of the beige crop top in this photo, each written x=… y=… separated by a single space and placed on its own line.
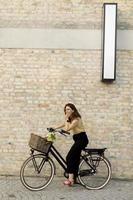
x=78 y=128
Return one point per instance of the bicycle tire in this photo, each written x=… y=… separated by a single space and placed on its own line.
x=30 y=176
x=94 y=180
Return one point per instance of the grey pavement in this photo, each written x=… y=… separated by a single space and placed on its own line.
x=12 y=189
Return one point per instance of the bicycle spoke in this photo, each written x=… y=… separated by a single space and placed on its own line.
x=37 y=172
x=94 y=172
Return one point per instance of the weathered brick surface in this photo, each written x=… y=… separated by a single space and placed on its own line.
x=36 y=83
x=61 y=13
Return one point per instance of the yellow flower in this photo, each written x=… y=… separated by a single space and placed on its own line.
x=51 y=137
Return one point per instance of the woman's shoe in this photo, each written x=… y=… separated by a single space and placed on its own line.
x=68 y=182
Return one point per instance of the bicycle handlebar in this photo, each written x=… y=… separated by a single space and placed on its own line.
x=61 y=131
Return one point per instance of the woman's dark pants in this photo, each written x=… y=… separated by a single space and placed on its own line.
x=73 y=156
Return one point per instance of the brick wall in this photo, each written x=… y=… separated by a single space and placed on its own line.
x=61 y=13
x=36 y=83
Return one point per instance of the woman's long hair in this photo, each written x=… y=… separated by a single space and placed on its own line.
x=74 y=115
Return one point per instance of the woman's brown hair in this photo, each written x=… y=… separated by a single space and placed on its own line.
x=75 y=114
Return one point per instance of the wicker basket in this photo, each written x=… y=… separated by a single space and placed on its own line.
x=39 y=143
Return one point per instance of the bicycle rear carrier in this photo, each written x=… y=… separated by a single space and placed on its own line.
x=95 y=151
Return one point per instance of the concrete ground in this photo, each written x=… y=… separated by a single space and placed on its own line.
x=12 y=189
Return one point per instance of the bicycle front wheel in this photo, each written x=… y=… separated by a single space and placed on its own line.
x=37 y=172
x=94 y=172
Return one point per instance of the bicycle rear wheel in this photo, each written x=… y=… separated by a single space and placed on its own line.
x=37 y=172
x=96 y=177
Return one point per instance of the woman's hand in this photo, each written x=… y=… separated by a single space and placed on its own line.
x=66 y=117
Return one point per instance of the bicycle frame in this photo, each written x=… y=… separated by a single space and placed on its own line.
x=60 y=160
x=63 y=163
x=55 y=154
x=58 y=157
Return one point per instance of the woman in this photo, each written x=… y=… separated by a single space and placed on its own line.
x=74 y=124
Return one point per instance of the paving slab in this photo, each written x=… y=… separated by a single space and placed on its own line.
x=11 y=188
